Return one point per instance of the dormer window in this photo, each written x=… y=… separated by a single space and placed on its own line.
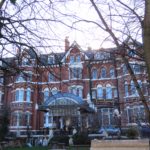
x=51 y=60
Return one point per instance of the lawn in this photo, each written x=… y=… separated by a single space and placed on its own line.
x=47 y=148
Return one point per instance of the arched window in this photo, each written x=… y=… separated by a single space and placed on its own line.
x=19 y=96
x=126 y=89
x=51 y=77
x=54 y=91
x=20 y=78
x=112 y=72
x=28 y=95
x=46 y=94
x=108 y=92
x=94 y=74
x=100 y=92
x=103 y=73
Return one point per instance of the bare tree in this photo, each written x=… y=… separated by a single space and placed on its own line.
x=129 y=16
x=120 y=20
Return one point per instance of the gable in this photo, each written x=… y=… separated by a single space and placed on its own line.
x=73 y=50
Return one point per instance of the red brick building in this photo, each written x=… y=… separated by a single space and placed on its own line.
x=77 y=88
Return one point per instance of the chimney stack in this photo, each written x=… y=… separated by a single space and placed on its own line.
x=67 y=43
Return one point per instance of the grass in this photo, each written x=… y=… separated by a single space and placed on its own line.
x=47 y=148
x=27 y=148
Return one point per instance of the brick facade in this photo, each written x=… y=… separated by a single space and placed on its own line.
x=97 y=77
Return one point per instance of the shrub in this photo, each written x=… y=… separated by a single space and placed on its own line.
x=132 y=133
x=81 y=139
x=60 y=139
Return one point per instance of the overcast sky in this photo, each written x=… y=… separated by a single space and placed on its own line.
x=66 y=13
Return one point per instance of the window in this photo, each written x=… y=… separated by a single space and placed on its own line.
x=28 y=95
x=145 y=87
x=115 y=93
x=94 y=94
x=76 y=73
x=132 y=53
x=27 y=118
x=78 y=58
x=106 y=116
x=130 y=115
x=72 y=59
x=100 y=92
x=20 y=78
x=132 y=88
x=1 y=80
x=103 y=73
x=51 y=60
x=136 y=68
x=94 y=74
x=125 y=71
x=1 y=97
x=54 y=91
x=19 y=95
x=25 y=61
x=51 y=77
x=14 y=119
x=77 y=90
x=126 y=89
x=112 y=73
x=46 y=94
x=108 y=92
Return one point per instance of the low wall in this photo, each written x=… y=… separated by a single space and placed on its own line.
x=120 y=145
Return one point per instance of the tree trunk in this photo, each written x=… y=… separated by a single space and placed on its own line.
x=146 y=36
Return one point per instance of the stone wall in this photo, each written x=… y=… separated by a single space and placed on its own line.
x=119 y=145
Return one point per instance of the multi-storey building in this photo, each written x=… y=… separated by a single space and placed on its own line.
x=76 y=88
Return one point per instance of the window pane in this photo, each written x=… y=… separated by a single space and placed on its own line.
x=78 y=58
x=50 y=77
x=108 y=93
x=125 y=69
x=28 y=95
x=133 y=89
x=126 y=90
x=112 y=73
x=21 y=95
x=71 y=59
x=103 y=73
x=94 y=74
x=46 y=95
x=17 y=95
x=100 y=92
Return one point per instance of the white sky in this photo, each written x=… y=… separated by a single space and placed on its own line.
x=85 y=34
